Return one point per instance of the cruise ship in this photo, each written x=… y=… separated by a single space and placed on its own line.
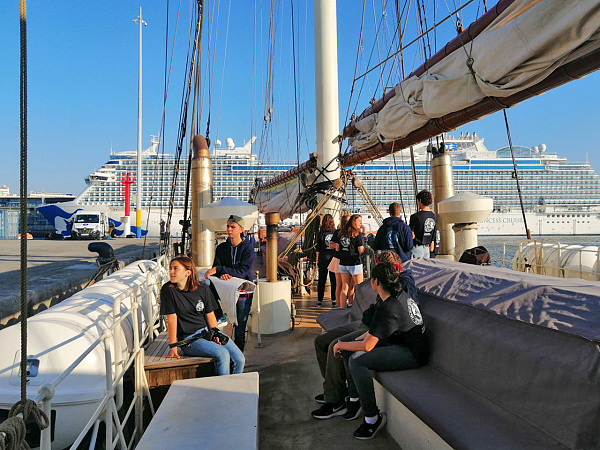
x=560 y=197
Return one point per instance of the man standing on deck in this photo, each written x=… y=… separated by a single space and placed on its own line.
x=234 y=258
x=424 y=226
x=394 y=234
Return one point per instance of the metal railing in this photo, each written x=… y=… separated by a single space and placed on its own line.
x=107 y=410
x=552 y=258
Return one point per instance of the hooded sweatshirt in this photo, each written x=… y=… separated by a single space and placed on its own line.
x=235 y=261
x=394 y=235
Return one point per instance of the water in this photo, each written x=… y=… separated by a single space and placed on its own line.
x=494 y=244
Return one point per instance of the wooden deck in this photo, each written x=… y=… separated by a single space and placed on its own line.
x=161 y=371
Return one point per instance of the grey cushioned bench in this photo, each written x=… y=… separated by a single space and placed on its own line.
x=494 y=381
x=514 y=365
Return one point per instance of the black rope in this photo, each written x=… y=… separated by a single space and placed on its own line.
x=13 y=430
x=182 y=125
x=23 y=200
x=196 y=71
x=512 y=154
x=296 y=112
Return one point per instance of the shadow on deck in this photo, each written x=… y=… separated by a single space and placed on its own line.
x=289 y=380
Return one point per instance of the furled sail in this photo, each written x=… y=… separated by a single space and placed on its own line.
x=519 y=49
x=284 y=198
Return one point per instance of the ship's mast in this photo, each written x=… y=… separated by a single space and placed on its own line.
x=138 y=201
x=326 y=91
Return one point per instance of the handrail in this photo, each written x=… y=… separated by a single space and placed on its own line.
x=113 y=398
x=539 y=249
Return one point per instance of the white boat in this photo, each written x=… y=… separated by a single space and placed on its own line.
x=60 y=335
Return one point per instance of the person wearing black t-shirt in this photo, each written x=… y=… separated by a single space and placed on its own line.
x=324 y=256
x=189 y=307
x=424 y=226
x=349 y=245
x=332 y=369
x=334 y=265
x=395 y=340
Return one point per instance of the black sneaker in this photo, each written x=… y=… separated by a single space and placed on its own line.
x=319 y=303
x=369 y=430
x=327 y=411
x=334 y=304
x=353 y=410
x=320 y=399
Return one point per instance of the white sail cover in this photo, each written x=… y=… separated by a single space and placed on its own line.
x=519 y=49
x=283 y=198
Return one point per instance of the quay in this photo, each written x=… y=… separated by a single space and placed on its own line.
x=56 y=270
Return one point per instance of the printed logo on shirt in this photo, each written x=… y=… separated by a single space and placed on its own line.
x=328 y=240
x=414 y=312
x=391 y=238
x=429 y=225
x=200 y=306
x=345 y=243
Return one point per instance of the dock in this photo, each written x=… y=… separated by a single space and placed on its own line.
x=56 y=270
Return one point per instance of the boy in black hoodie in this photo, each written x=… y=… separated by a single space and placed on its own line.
x=234 y=258
x=394 y=234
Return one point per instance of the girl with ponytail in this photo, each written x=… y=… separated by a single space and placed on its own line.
x=396 y=340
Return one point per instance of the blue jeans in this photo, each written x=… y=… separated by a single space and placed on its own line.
x=243 y=311
x=222 y=354
x=381 y=359
x=420 y=251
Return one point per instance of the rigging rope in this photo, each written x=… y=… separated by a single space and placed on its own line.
x=196 y=70
x=183 y=119
x=13 y=430
x=512 y=154
x=357 y=59
x=222 y=75
x=433 y=27
x=23 y=199
x=161 y=133
x=296 y=112
x=398 y=181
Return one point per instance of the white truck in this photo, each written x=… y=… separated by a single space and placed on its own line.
x=89 y=225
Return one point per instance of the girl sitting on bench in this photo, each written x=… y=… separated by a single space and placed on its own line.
x=189 y=307
x=395 y=341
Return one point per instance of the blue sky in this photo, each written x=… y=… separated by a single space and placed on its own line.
x=82 y=84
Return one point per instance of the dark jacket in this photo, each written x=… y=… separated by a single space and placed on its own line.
x=394 y=235
x=235 y=261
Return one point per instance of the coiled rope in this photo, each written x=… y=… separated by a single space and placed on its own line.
x=13 y=430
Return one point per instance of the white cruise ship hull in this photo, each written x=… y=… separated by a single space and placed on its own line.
x=541 y=224
x=548 y=182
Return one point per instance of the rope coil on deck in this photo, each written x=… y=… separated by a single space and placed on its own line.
x=12 y=434
x=13 y=429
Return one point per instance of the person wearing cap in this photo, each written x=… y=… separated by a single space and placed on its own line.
x=234 y=258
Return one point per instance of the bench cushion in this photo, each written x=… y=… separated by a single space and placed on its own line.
x=363 y=298
x=545 y=377
x=460 y=416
